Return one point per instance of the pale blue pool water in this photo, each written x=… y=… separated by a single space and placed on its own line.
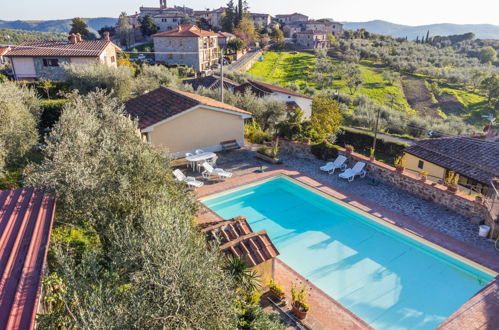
x=388 y=279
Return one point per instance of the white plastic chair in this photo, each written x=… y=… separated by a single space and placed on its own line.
x=191 y=181
x=213 y=161
x=191 y=164
x=209 y=171
x=357 y=169
x=339 y=162
x=199 y=151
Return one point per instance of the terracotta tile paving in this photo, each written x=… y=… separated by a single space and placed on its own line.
x=328 y=312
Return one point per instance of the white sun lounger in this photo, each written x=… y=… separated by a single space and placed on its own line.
x=209 y=171
x=351 y=173
x=191 y=182
x=339 y=162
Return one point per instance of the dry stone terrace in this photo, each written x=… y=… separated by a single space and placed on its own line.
x=243 y=162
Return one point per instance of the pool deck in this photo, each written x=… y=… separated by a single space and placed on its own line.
x=329 y=313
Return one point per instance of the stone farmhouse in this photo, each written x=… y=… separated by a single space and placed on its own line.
x=188 y=45
x=33 y=60
x=312 y=39
x=260 y=19
x=291 y=18
x=334 y=28
x=213 y=17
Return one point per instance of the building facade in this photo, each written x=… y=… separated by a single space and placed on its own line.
x=312 y=39
x=33 y=60
x=260 y=19
x=213 y=17
x=188 y=45
x=334 y=28
x=292 y=18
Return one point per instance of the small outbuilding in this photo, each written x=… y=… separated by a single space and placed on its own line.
x=183 y=122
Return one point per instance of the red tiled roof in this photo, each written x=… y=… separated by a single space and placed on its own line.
x=26 y=217
x=259 y=88
x=163 y=103
x=472 y=157
x=236 y=238
x=186 y=30
x=226 y=35
x=85 y=48
x=3 y=50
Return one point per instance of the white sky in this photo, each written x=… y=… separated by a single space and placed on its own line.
x=397 y=11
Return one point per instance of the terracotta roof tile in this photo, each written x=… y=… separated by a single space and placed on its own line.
x=186 y=30
x=85 y=48
x=26 y=217
x=163 y=103
x=236 y=238
x=472 y=157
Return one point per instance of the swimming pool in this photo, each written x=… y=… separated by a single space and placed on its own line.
x=389 y=279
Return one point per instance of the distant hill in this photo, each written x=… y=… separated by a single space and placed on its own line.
x=60 y=25
x=481 y=31
x=11 y=36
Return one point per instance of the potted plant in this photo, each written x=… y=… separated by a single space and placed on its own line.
x=423 y=175
x=399 y=163
x=349 y=148
x=299 y=301
x=269 y=154
x=371 y=154
x=276 y=290
x=451 y=181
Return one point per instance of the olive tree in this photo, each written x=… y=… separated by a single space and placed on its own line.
x=152 y=268
x=119 y=81
x=19 y=113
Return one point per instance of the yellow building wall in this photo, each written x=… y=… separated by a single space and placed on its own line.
x=436 y=172
x=198 y=129
x=265 y=271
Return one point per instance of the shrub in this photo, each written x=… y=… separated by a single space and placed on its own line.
x=255 y=135
x=325 y=150
x=363 y=141
x=50 y=113
x=276 y=289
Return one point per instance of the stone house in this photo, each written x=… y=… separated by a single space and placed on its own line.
x=334 y=28
x=293 y=99
x=312 y=39
x=166 y=18
x=260 y=19
x=213 y=17
x=474 y=159
x=33 y=60
x=291 y=18
x=187 y=45
x=184 y=122
x=290 y=30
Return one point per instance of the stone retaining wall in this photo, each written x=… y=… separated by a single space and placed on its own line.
x=427 y=190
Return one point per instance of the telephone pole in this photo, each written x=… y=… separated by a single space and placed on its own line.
x=221 y=75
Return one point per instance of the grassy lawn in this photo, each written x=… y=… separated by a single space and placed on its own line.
x=474 y=105
x=283 y=67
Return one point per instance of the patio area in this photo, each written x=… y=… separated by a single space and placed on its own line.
x=374 y=193
x=423 y=218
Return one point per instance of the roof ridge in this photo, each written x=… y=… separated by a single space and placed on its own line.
x=180 y=94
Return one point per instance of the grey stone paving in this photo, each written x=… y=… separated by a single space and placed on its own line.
x=243 y=161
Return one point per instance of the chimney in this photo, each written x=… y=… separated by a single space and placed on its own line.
x=72 y=38
x=162 y=4
x=106 y=36
x=78 y=37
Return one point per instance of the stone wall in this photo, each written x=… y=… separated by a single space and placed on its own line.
x=249 y=63
x=427 y=190
x=55 y=73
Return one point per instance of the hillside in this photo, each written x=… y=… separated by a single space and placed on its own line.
x=10 y=36
x=482 y=31
x=61 y=25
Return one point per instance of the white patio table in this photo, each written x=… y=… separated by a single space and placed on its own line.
x=198 y=159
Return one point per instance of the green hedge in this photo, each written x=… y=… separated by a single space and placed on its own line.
x=364 y=141
x=325 y=150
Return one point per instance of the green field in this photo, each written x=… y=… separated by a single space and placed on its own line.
x=283 y=67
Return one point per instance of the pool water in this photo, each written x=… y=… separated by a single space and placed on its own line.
x=390 y=280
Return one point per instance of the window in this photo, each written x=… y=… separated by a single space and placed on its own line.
x=50 y=62
x=420 y=164
x=113 y=59
x=181 y=43
x=174 y=19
